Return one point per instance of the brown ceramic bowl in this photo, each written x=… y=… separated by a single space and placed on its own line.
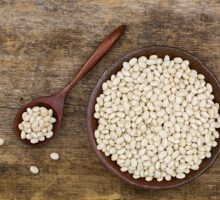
x=92 y=123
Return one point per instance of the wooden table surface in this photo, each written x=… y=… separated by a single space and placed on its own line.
x=43 y=43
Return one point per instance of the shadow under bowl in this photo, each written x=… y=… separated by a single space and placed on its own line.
x=92 y=123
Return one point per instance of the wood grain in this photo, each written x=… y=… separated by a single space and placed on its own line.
x=42 y=43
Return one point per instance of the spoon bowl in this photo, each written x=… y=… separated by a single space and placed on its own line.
x=56 y=101
x=49 y=102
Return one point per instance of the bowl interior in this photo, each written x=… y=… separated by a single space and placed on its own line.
x=92 y=123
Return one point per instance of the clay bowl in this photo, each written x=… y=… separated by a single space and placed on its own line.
x=92 y=123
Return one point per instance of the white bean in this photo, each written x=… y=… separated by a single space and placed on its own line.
x=49 y=134
x=34 y=141
x=54 y=156
x=2 y=141
x=34 y=170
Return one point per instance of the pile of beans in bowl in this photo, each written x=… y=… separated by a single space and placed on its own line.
x=157 y=118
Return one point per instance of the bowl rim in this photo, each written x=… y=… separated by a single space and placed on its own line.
x=90 y=108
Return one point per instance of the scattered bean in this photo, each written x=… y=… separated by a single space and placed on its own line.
x=54 y=156
x=34 y=170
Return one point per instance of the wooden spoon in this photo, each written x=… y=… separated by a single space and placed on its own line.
x=56 y=101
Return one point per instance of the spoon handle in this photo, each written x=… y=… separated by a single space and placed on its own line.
x=95 y=57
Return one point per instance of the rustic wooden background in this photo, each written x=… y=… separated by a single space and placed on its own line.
x=42 y=44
